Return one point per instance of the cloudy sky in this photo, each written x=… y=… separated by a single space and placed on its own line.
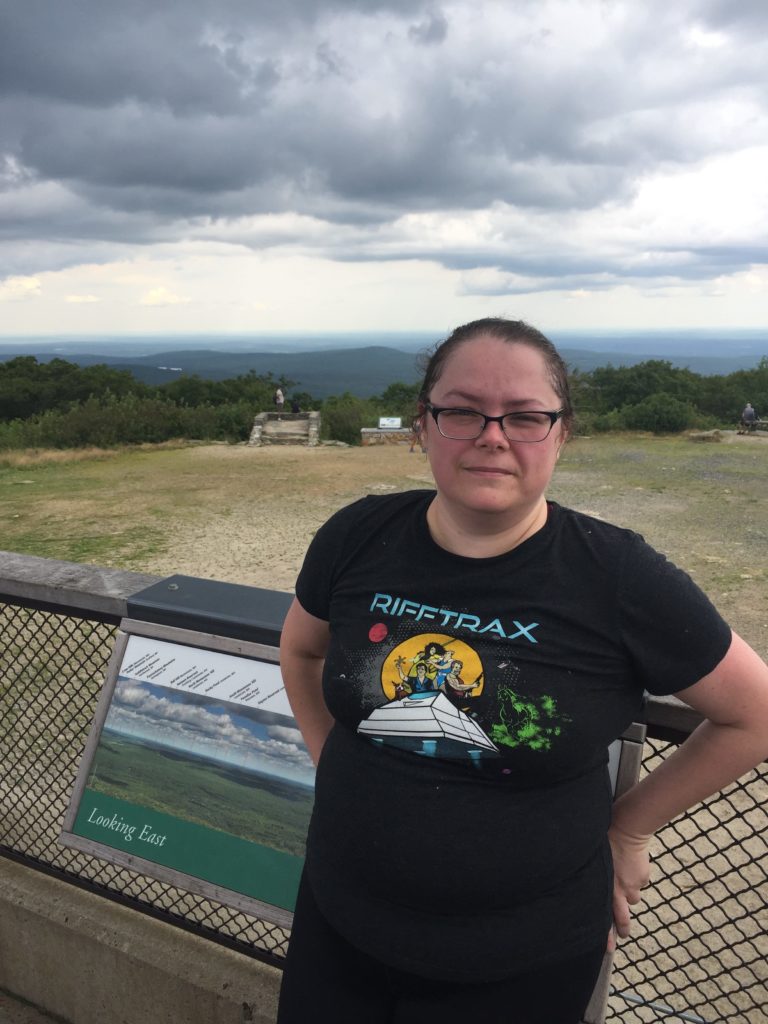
x=351 y=165
x=213 y=729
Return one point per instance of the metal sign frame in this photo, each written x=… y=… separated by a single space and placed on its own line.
x=203 y=817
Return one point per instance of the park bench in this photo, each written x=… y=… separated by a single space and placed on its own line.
x=758 y=424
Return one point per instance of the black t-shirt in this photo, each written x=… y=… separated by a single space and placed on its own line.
x=462 y=798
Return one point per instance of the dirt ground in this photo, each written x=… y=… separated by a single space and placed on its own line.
x=261 y=538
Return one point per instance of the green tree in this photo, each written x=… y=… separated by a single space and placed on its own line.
x=28 y=387
x=399 y=399
x=726 y=396
x=616 y=387
x=190 y=389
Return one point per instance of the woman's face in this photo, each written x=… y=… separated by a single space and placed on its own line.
x=491 y=475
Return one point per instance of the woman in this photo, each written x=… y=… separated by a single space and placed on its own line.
x=459 y=855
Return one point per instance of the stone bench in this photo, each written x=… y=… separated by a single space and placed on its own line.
x=285 y=428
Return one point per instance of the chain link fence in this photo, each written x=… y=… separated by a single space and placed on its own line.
x=699 y=950
x=700 y=940
x=51 y=670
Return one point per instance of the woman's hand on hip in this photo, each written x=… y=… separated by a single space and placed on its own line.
x=631 y=872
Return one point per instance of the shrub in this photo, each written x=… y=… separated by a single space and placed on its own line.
x=344 y=416
x=608 y=421
x=128 y=420
x=584 y=423
x=660 y=413
x=234 y=421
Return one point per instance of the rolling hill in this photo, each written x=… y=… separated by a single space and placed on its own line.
x=363 y=371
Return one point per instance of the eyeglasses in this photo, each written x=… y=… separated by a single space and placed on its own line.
x=466 y=424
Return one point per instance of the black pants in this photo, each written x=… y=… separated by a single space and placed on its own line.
x=326 y=978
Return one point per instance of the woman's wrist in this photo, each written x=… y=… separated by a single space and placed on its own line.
x=623 y=831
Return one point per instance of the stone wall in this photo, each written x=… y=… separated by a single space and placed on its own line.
x=285 y=428
x=372 y=435
x=88 y=960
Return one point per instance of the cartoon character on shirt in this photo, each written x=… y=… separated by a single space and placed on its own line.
x=416 y=681
x=454 y=686
x=434 y=657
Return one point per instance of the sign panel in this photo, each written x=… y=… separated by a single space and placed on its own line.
x=390 y=422
x=196 y=773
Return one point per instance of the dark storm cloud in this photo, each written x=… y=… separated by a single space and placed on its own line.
x=746 y=15
x=154 y=119
x=517 y=272
x=96 y=57
x=433 y=30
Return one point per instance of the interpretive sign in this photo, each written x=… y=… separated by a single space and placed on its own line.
x=390 y=422
x=196 y=773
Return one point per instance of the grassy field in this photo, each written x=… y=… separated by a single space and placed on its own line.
x=244 y=803
x=156 y=508
x=101 y=507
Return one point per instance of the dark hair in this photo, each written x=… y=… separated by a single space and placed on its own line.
x=437 y=648
x=516 y=332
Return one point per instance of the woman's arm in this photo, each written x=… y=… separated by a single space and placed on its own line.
x=303 y=646
x=730 y=742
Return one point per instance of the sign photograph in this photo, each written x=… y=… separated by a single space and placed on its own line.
x=195 y=765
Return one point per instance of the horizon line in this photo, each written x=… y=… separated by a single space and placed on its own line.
x=292 y=333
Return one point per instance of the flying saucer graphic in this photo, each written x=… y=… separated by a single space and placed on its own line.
x=429 y=723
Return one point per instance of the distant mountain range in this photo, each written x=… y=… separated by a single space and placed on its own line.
x=366 y=370
x=361 y=371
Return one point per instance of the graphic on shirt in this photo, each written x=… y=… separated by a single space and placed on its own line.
x=426 y=678
x=432 y=662
x=402 y=607
x=429 y=724
x=433 y=684
x=527 y=721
